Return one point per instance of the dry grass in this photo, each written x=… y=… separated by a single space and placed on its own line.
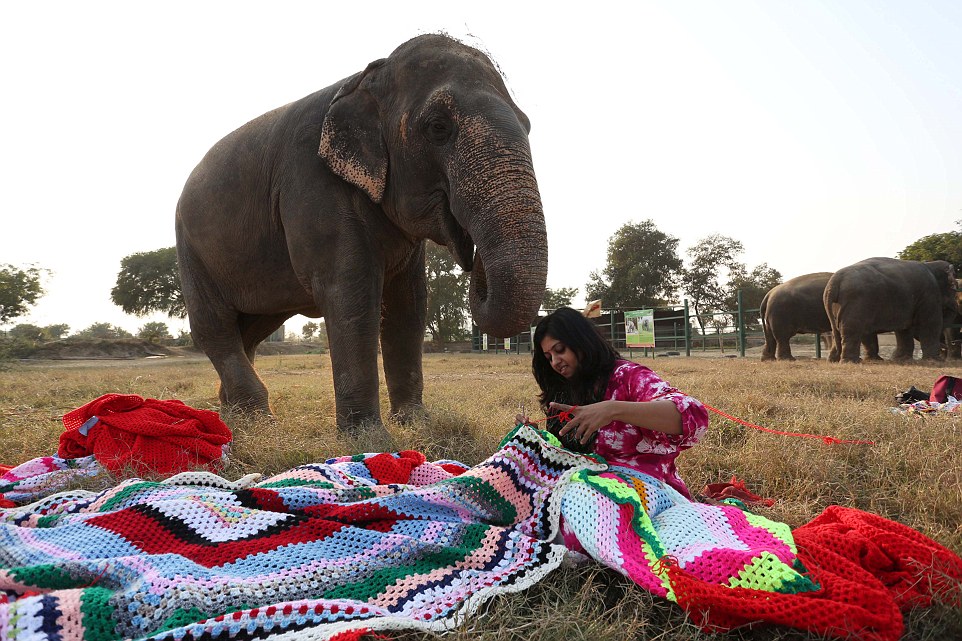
x=913 y=474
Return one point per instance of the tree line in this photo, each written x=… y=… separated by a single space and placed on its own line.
x=643 y=270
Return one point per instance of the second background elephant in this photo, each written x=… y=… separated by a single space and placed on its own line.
x=913 y=299
x=796 y=307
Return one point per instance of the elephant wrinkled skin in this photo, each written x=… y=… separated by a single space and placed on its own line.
x=321 y=208
x=911 y=298
x=796 y=307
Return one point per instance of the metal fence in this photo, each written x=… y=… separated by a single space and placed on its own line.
x=677 y=331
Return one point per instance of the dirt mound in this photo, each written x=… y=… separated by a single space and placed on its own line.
x=93 y=349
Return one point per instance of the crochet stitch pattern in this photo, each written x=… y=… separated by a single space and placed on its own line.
x=391 y=541
x=375 y=541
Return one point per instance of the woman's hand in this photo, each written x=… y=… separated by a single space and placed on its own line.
x=521 y=419
x=586 y=419
x=661 y=415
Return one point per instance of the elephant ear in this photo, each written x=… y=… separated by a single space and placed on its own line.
x=352 y=144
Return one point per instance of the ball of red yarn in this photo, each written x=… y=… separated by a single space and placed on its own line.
x=127 y=432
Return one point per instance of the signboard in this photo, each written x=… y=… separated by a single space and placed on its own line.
x=507 y=344
x=484 y=342
x=640 y=328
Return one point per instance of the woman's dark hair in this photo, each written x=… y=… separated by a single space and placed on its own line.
x=596 y=360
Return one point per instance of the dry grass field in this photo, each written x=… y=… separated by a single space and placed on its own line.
x=912 y=474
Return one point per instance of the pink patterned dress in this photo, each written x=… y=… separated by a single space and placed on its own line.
x=638 y=447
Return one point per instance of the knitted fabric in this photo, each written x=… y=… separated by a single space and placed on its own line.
x=845 y=574
x=391 y=541
x=126 y=432
x=44 y=475
x=370 y=542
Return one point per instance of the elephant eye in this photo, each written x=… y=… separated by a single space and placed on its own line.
x=438 y=130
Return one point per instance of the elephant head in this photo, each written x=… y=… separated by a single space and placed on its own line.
x=432 y=135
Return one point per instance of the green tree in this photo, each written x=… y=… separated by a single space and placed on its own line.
x=26 y=331
x=309 y=330
x=149 y=282
x=103 y=330
x=555 y=298
x=55 y=332
x=947 y=246
x=642 y=269
x=753 y=285
x=447 y=295
x=701 y=279
x=155 y=332
x=19 y=289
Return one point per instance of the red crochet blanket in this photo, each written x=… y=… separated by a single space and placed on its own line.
x=125 y=432
x=868 y=568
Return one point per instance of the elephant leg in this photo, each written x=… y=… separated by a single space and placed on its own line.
x=783 y=350
x=931 y=348
x=241 y=389
x=403 y=321
x=904 y=345
x=768 y=352
x=836 y=354
x=255 y=328
x=870 y=347
x=215 y=329
x=351 y=314
x=851 y=344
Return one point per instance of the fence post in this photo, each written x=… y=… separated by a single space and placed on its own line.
x=741 y=325
x=818 y=345
x=687 y=331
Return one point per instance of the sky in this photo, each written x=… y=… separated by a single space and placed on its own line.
x=816 y=133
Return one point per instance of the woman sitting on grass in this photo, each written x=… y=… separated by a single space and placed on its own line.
x=622 y=410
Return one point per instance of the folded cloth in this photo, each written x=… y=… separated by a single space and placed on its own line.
x=735 y=489
x=125 y=432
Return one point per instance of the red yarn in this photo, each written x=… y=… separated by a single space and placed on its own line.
x=828 y=440
x=125 y=431
x=868 y=568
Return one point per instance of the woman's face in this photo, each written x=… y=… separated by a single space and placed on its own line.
x=561 y=358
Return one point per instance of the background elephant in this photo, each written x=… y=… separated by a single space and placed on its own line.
x=796 y=307
x=952 y=336
x=321 y=208
x=911 y=298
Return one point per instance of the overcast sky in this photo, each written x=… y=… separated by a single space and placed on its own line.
x=816 y=133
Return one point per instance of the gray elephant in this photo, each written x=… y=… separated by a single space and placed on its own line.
x=796 y=307
x=952 y=335
x=911 y=298
x=321 y=208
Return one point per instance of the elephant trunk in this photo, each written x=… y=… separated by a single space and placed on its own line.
x=494 y=191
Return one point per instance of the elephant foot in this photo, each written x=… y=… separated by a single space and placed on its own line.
x=246 y=409
x=239 y=401
x=767 y=357
x=786 y=358
x=874 y=358
x=854 y=361
x=409 y=414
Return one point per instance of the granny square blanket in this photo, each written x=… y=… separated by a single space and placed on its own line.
x=385 y=541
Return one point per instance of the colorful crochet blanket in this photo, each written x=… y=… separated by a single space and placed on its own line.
x=392 y=541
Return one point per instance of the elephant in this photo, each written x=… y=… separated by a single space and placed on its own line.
x=911 y=298
x=952 y=334
x=321 y=207
x=796 y=307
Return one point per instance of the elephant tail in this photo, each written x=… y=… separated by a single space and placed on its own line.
x=830 y=300
x=766 y=327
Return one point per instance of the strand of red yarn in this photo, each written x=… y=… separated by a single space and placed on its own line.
x=563 y=415
x=828 y=440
